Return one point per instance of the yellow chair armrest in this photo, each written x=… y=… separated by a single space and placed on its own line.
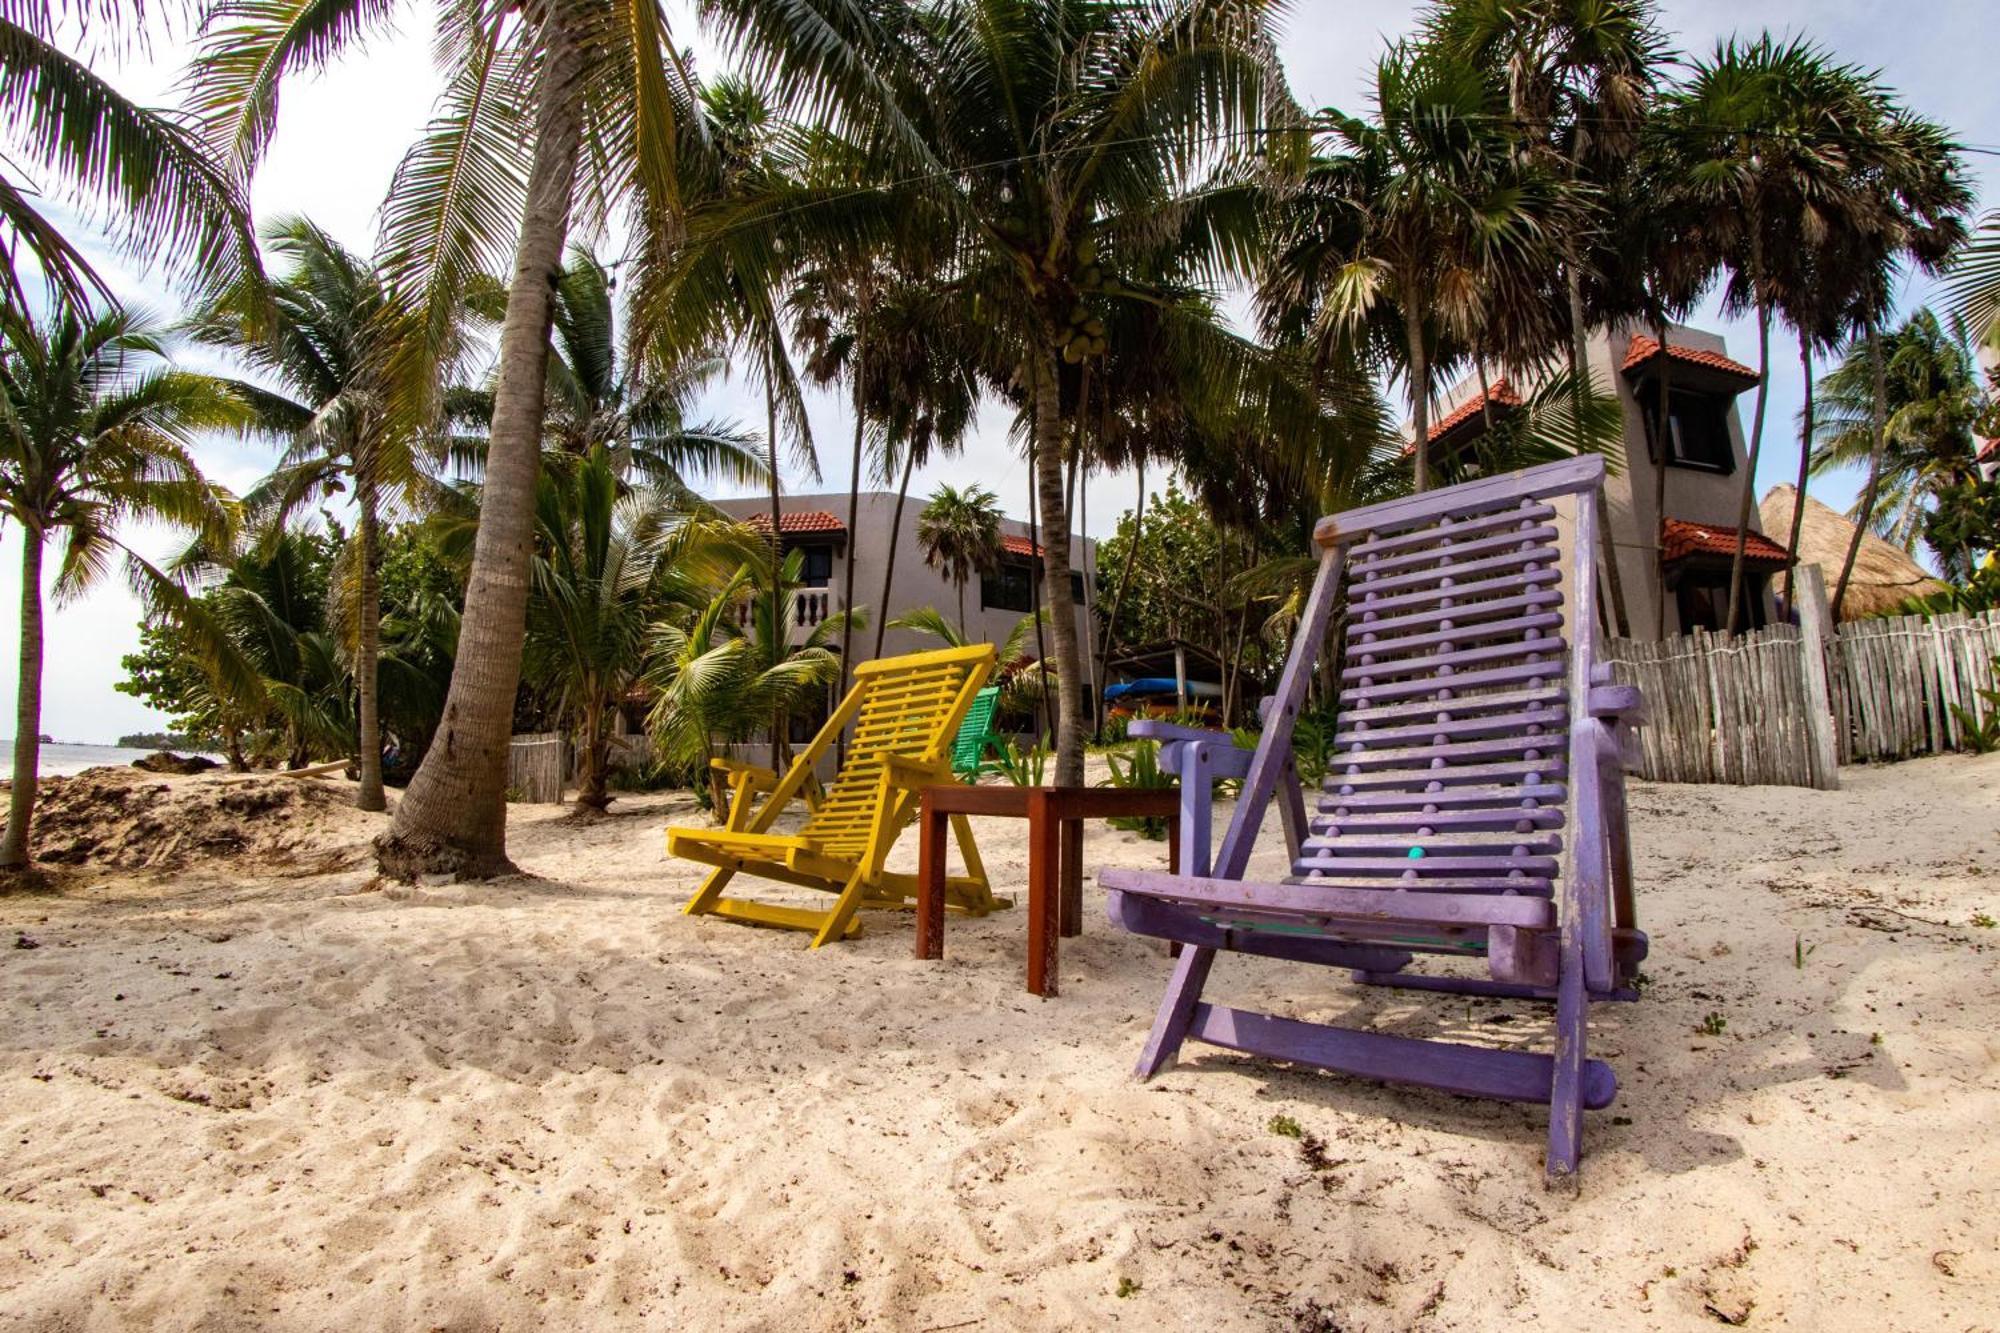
x=756 y=773
x=912 y=773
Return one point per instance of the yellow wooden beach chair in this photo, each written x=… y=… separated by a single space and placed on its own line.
x=906 y=712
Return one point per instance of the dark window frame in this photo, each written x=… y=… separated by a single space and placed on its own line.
x=1700 y=416
x=816 y=569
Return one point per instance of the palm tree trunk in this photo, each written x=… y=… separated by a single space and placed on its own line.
x=1420 y=390
x=368 y=653
x=961 y=606
x=1055 y=566
x=1579 y=391
x=453 y=818
x=1579 y=346
x=1877 y=445
x=1665 y=445
x=853 y=530
x=1124 y=576
x=1092 y=691
x=1805 y=464
x=1035 y=584
x=590 y=777
x=779 y=723
x=771 y=451
x=27 y=707
x=889 y=566
x=1749 y=491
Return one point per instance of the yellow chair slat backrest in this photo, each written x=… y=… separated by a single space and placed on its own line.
x=910 y=707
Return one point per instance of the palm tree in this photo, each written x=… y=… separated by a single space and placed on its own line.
x=1801 y=158
x=528 y=91
x=1934 y=402
x=610 y=563
x=754 y=162
x=640 y=410
x=271 y=601
x=733 y=667
x=959 y=534
x=1104 y=117
x=314 y=332
x=1579 y=76
x=1412 y=233
x=1974 y=289
x=94 y=434
x=171 y=203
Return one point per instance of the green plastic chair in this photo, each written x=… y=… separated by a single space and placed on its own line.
x=976 y=734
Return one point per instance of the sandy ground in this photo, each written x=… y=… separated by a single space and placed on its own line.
x=296 y=1099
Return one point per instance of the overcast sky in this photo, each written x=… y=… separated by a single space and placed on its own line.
x=339 y=138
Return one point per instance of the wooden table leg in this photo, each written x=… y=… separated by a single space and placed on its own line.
x=1044 y=895
x=1173 y=846
x=930 y=882
x=1072 y=876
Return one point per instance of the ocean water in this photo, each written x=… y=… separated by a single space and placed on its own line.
x=60 y=760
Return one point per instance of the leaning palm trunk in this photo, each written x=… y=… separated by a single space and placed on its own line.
x=1055 y=572
x=1865 y=515
x=28 y=708
x=889 y=566
x=1420 y=390
x=1665 y=437
x=1805 y=462
x=853 y=530
x=1579 y=388
x=778 y=724
x=1124 y=578
x=592 y=761
x=1757 y=447
x=367 y=664
x=453 y=819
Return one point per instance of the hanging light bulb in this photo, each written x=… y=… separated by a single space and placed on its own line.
x=779 y=245
x=1006 y=194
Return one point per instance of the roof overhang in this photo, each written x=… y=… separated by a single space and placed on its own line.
x=1688 y=544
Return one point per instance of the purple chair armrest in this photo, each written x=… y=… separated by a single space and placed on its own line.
x=1153 y=729
x=1618 y=703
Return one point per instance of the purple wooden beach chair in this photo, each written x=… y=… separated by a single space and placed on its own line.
x=1470 y=729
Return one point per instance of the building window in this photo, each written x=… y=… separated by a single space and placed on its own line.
x=818 y=565
x=1700 y=435
x=1702 y=596
x=1009 y=588
x=1012 y=588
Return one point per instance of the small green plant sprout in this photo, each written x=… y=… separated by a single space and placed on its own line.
x=1127 y=1287
x=1980 y=728
x=1984 y=920
x=1875 y=1039
x=1138 y=768
x=1285 y=1127
x=1802 y=951
x=1025 y=767
x=1714 y=1024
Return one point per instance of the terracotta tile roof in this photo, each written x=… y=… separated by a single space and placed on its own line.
x=1680 y=539
x=1644 y=349
x=1013 y=545
x=1502 y=393
x=803 y=520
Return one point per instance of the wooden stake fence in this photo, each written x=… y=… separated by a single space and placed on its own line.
x=1788 y=704
x=537 y=766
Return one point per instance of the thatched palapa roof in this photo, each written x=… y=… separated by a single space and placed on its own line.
x=1884 y=576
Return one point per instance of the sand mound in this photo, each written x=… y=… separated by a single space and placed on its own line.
x=120 y=818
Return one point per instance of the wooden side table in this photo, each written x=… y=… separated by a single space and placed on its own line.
x=1055 y=818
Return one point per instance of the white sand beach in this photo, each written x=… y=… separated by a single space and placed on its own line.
x=253 y=1087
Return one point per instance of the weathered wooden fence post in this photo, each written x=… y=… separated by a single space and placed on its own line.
x=1815 y=637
